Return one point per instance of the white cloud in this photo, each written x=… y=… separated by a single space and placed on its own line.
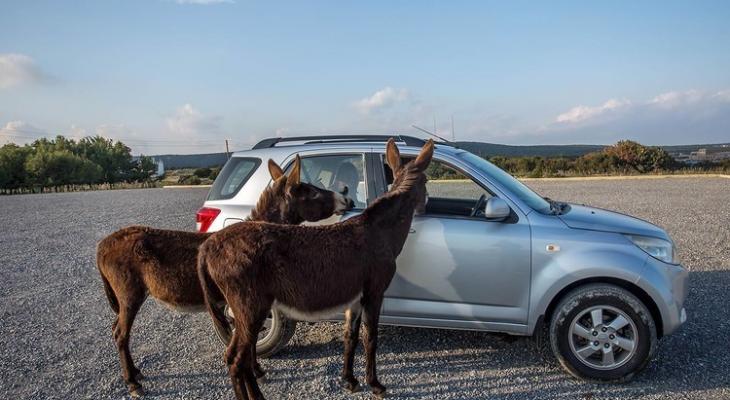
x=581 y=113
x=18 y=69
x=187 y=122
x=674 y=99
x=690 y=116
x=20 y=132
x=381 y=99
x=203 y=2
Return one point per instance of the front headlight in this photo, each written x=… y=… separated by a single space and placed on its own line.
x=660 y=249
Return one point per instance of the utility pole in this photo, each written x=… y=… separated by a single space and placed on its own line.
x=434 y=125
x=228 y=154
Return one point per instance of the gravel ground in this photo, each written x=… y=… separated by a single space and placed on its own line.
x=55 y=336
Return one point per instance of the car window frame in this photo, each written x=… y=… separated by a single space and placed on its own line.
x=257 y=163
x=382 y=188
x=369 y=189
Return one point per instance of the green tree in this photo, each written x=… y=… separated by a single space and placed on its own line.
x=114 y=158
x=48 y=167
x=202 y=172
x=12 y=166
x=143 y=169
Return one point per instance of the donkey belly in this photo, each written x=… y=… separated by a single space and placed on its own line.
x=179 y=294
x=183 y=308
x=313 y=315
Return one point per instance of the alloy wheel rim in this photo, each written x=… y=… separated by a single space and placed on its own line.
x=603 y=337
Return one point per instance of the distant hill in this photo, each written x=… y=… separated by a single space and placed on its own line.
x=569 y=150
x=492 y=149
x=176 y=161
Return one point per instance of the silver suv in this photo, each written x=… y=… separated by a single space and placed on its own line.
x=596 y=287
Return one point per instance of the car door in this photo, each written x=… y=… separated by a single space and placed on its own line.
x=459 y=267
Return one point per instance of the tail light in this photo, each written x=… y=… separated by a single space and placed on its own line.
x=205 y=217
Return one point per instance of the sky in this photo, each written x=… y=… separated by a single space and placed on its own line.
x=181 y=76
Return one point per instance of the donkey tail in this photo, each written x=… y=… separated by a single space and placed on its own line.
x=211 y=293
x=110 y=295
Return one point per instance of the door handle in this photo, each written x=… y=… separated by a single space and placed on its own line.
x=411 y=230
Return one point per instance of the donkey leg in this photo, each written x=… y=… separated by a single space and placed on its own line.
x=371 y=315
x=235 y=356
x=242 y=371
x=248 y=323
x=250 y=377
x=121 y=336
x=257 y=369
x=352 y=331
x=231 y=350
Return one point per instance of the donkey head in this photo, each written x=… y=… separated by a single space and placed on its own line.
x=299 y=201
x=410 y=176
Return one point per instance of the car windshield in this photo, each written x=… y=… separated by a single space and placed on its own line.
x=519 y=189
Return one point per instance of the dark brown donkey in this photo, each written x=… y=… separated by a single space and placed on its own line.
x=310 y=272
x=138 y=261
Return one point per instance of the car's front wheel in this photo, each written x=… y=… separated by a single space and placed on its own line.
x=602 y=332
x=274 y=335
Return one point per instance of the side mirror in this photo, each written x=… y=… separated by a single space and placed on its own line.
x=496 y=209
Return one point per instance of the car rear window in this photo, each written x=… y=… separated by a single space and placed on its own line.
x=232 y=177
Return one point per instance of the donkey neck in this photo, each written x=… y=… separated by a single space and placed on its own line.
x=391 y=216
x=272 y=206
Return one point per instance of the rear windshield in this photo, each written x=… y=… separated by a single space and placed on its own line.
x=232 y=177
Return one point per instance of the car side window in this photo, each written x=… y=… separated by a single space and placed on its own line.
x=335 y=172
x=450 y=192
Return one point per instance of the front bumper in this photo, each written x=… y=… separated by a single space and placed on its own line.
x=668 y=286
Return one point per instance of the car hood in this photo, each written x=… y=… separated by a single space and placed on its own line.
x=597 y=219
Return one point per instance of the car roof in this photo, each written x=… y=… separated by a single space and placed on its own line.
x=285 y=149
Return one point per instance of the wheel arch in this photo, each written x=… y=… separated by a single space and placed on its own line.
x=632 y=288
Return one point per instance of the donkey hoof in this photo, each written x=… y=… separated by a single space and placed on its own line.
x=351 y=385
x=379 y=391
x=136 y=391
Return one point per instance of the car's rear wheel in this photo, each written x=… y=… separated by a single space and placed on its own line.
x=274 y=335
x=602 y=332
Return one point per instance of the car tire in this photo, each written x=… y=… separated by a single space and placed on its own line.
x=618 y=345
x=540 y=342
x=276 y=333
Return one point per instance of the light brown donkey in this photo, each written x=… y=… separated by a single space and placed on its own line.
x=138 y=261
x=310 y=272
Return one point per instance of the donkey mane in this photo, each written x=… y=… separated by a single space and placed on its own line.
x=263 y=211
x=402 y=186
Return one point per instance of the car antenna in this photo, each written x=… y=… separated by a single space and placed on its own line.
x=432 y=134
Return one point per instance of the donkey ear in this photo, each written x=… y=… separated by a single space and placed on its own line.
x=275 y=170
x=392 y=155
x=294 y=174
x=424 y=157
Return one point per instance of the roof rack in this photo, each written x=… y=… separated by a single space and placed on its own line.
x=271 y=142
